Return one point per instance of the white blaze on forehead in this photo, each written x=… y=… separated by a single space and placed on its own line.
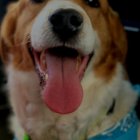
x=42 y=36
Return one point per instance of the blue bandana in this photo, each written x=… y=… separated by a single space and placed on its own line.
x=126 y=129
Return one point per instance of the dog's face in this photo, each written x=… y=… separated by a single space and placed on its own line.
x=63 y=41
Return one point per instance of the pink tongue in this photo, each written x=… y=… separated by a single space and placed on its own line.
x=63 y=92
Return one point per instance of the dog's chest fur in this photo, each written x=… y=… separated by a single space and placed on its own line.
x=42 y=124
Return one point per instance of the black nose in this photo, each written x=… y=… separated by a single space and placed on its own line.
x=66 y=23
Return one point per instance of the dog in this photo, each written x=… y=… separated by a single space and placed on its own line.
x=65 y=65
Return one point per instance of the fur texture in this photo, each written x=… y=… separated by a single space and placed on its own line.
x=104 y=80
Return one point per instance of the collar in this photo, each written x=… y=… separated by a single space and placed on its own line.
x=125 y=129
x=26 y=137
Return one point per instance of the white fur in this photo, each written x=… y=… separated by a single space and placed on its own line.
x=25 y=94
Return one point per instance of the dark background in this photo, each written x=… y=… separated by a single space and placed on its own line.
x=129 y=11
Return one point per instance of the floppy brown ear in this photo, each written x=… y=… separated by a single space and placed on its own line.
x=119 y=40
x=7 y=32
x=115 y=49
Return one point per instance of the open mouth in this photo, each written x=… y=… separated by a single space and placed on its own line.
x=61 y=70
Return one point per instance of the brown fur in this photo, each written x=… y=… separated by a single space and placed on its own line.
x=15 y=53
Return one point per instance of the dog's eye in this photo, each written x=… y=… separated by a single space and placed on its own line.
x=37 y=1
x=93 y=3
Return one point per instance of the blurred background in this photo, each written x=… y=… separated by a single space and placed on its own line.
x=129 y=12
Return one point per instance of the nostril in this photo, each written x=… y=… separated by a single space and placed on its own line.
x=56 y=20
x=76 y=21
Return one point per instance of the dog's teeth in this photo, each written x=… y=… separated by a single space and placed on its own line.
x=43 y=61
x=78 y=63
x=46 y=77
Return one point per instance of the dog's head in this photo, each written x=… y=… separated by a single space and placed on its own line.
x=63 y=41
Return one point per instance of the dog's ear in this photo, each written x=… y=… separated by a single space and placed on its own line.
x=7 y=31
x=119 y=40
x=115 y=49
x=116 y=29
